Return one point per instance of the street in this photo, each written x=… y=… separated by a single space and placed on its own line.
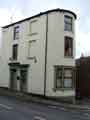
x=12 y=109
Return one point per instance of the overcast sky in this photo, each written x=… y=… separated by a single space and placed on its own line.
x=20 y=9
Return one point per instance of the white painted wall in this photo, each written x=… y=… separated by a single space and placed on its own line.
x=55 y=55
x=5 y=53
x=36 y=70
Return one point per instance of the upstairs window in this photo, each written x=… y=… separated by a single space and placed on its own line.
x=31 y=48
x=14 y=52
x=68 y=47
x=16 y=32
x=34 y=27
x=67 y=23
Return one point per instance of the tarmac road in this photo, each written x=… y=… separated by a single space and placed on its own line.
x=12 y=109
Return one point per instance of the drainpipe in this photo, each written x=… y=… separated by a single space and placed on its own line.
x=46 y=42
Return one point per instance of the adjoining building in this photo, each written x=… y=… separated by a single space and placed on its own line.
x=83 y=77
x=38 y=54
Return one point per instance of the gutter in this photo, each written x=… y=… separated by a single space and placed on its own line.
x=46 y=44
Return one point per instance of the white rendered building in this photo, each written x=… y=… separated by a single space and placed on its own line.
x=38 y=54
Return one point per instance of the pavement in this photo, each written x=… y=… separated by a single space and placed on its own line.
x=80 y=104
x=13 y=109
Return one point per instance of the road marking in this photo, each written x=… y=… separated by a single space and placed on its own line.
x=6 y=107
x=55 y=107
x=87 y=114
x=83 y=117
x=63 y=109
x=52 y=106
x=39 y=118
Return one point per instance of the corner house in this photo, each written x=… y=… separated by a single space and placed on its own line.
x=38 y=54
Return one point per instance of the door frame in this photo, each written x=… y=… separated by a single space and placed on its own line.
x=18 y=67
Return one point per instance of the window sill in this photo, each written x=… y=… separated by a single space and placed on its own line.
x=69 y=57
x=16 y=39
x=32 y=58
x=68 y=31
x=11 y=59
x=62 y=89
x=32 y=34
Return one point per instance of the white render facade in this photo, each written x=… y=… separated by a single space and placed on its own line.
x=34 y=54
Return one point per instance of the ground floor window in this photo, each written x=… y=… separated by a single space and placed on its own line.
x=64 y=77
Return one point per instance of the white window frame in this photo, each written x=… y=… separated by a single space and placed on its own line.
x=16 y=32
x=63 y=68
x=68 y=25
x=70 y=49
x=29 y=45
x=30 y=27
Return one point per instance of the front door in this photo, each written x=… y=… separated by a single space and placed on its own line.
x=23 y=80
x=13 y=77
x=18 y=77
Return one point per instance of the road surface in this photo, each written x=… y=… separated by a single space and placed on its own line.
x=12 y=109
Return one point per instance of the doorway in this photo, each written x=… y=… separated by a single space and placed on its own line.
x=18 y=78
x=13 y=77
x=23 y=80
